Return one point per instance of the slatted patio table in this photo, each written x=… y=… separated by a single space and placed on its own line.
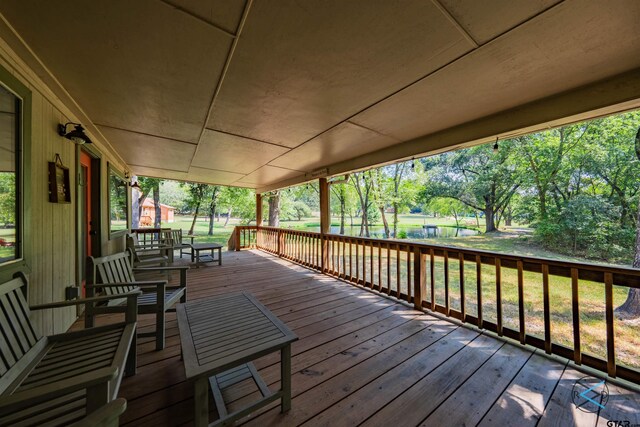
x=220 y=337
x=196 y=248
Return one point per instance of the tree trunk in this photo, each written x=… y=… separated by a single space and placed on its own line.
x=489 y=219
x=212 y=209
x=226 y=221
x=274 y=210
x=156 y=205
x=631 y=307
x=384 y=222
x=195 y=216
x=395 y=219
x=342 y=209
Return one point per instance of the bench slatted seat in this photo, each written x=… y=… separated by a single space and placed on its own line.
x=59 y=379
x=113 y=275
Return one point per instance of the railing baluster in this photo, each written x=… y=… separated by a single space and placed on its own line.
x=388 y=267
x=432 y=271
x=379 y=265
x=498 y=296
x=398 y=271
x=611 y=345
x=446 y=284
x=523 y=334
x=575 y=311
x=344 y=259
x=409 y=287
x=547 y=310
x=371 y=269
x=357 y=262
x=462 y=302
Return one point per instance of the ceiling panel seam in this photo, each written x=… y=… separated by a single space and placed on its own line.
x=193 y=15
x=456 y=24
x=247 y=137
x=432 y=73
x=145 y=134
x=151 y=167
x=245 y=14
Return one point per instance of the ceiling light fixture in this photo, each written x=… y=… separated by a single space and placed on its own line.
x=495 y=146
x=77 y=135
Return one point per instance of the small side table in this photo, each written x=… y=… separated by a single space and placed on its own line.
x=206 y=257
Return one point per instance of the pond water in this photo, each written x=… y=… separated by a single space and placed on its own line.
x=413 y=233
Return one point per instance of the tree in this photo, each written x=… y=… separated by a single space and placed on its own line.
x=147 y=186
x=7 y=197
x=478 y=177
x=361 y=182
x=379 y=186
x=631 y=307
x=196 y=193
x=238 y=201
x=545 y=154
x=274 y=209
x=214 y=190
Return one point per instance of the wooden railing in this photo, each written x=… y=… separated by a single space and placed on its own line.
x=492 y=291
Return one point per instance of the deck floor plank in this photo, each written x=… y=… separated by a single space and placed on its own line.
x=361 y=358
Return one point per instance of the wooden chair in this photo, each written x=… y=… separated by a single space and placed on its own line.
x=114 y=274
x=155 y=253
x=59 y=379
x=176 y=240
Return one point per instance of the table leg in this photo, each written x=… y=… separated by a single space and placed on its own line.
x=201 y=402
x=285 y=377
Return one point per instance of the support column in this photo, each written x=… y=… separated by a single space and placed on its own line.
x=259 y=209
x=325 y=222
x=258 y=219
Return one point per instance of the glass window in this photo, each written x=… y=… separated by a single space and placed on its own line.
x=118 y=219
x=9 y=176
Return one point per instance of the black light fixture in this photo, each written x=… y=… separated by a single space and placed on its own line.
x=136 y=186
x=77 y=135
x=495 y=146
x=413 y=163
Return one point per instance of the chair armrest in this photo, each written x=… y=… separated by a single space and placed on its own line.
x=143 y=269
x=106 y=415
x=46 y=392
x=84 y=301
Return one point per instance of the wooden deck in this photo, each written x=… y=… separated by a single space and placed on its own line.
x=364 y=359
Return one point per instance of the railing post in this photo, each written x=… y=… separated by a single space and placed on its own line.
x=325 y=223
x=237 y=238
x=419 y=277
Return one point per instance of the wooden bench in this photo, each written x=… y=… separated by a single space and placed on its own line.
x=59 y=379
x=113 y=275
x=155 y=253
x=176 y=240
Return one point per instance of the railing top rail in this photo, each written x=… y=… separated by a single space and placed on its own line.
x=426 y=248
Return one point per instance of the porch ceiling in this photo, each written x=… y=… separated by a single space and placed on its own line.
x=263 y=93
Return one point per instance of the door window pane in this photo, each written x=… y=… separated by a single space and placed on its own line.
x=9 y=178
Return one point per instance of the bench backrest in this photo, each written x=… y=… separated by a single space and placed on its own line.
x=175 y=236
x=17 y=334
x=111 y=269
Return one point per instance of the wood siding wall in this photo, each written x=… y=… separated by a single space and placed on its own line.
x=51 y=262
